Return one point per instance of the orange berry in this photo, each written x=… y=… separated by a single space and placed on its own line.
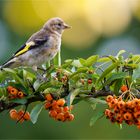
x=107 y=112
x=109 y=98
x=48 y=105
x=129 y=104
x=113 y=103
x=20 y=94
x=49 y=97
x=13 y=91
x=136 y=102
x=12 y=110
x=52 y=113
x=116 y=109
x=121 y=104
x=9 y=88
x=127 y=116
x=66 y=108
x=66 y=114
x=89 y=81
x=20 y=114
x=58 y=109
x=61 y=102
x=70 y=117
x=27 y=116
x=54 y=103
x=124 y=88
x=111 y=114
x=60 y=117
x=13 y=114
x=137 y=114
x=112 y=119
x=119 y=118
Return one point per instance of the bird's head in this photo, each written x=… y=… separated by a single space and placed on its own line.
x=56 y=25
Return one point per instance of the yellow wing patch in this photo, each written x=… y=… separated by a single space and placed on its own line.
x=25 y=49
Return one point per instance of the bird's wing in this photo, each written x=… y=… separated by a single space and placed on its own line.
x=31 y=45
x=26 y=47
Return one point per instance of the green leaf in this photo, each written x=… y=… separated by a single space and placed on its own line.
x=136 y=74
x=93 y=106
x=67 y=63
x=28 y=75
x=19 y=101
x=82 y=61
x=37 y=84
x=96 y=117
x=91 y=60
x=35 y=112
x=104 y=59
x=9 y=70
x=107 y=71
x=116 y=76
x=117 y=86
x=71 y=96
x=133 y=66
x=94 y=100
x=79 y=70
x=76 y=63
x=120 y=53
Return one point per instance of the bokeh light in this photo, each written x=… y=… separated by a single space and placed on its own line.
x=105 y=16
x=21 y=16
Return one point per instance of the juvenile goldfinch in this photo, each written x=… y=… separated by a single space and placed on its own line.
x=41 y=47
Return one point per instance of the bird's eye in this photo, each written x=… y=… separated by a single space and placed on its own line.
x=59 y=24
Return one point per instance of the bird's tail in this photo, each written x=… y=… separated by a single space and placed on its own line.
x=7 y=64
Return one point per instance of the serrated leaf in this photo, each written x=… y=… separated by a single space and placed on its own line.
x=35 y=112
x=107 y=71
x=96 y=117
x=19 y=101
x=91 y=60
x=71 y=96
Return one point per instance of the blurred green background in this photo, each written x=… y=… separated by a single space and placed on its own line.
x=99 y=27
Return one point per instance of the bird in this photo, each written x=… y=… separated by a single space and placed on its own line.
x=41 y=47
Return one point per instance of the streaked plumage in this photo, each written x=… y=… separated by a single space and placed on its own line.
x=41 y=47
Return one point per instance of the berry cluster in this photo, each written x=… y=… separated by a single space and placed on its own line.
x=57 y=109
x=127 y=111
x=14 y=93
x=20 y=115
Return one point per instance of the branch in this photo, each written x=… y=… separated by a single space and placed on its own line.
x=6 y=106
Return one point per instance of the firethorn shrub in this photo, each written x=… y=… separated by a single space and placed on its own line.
x=111 y=81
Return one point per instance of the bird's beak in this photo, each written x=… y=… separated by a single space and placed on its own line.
x=66 y=26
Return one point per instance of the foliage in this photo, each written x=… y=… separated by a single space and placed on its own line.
x=90 y=79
